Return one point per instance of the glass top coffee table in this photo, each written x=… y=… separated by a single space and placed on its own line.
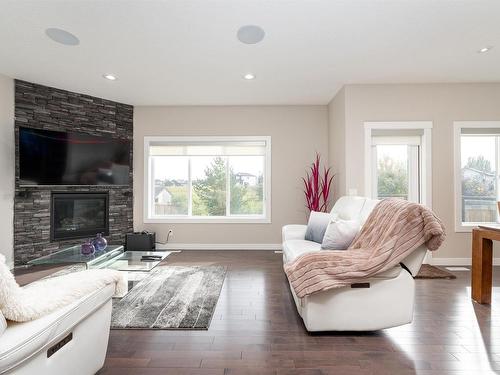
x=113 y=257
x=133 y=261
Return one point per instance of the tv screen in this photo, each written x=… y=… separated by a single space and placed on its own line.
x=57 y=158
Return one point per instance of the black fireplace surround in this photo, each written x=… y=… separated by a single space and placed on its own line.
x=78 y=215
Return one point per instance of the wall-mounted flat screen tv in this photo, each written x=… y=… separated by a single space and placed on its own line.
x=49 y=157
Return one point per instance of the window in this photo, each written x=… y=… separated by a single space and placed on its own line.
x=396 y=167
x=397 y=160
x=477 y=159
x=207 y=179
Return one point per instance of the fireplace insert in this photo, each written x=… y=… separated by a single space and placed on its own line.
x=78 y=215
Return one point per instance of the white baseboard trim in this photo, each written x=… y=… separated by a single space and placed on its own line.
x=275 y=246
x=225 y=246
x=457 y=261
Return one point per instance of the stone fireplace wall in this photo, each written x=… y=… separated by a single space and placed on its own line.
x=43 y=107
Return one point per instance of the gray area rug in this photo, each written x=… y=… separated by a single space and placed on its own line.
x=171 y=297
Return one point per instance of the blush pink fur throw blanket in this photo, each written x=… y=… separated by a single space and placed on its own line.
x=393 y=230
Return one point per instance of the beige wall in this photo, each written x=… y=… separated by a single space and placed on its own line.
x=336 y=142
x=7 y=167
x=297 y=133
x=440 y=103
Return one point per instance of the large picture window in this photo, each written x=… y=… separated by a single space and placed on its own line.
x=207 y=179
x=477 y=159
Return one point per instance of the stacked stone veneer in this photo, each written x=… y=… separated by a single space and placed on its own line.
x=43 y=107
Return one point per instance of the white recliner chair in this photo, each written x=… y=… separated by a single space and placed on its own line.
x=72 y=340
x=383 y=301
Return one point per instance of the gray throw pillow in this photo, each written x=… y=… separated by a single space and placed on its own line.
x=340 y=234
x=316 y=226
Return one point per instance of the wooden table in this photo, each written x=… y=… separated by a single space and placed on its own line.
x=482 y=261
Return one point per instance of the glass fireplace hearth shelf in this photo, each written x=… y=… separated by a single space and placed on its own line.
x=112 y=257
x=73 y=254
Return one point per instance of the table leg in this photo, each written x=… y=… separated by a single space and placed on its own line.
x=482 y=267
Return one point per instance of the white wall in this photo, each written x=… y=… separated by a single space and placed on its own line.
x=440 y=103
x=297 y=133
x=336 y=142
x=7 y=156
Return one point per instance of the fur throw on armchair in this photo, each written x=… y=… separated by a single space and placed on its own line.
x=42 y=297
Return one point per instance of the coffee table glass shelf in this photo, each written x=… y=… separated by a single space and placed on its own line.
x=113 y=257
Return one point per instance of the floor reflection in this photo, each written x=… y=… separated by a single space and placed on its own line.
x=484 y=335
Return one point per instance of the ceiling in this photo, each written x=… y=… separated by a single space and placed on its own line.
x=185 y=52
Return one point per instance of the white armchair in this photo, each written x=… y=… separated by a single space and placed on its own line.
x=72 y=339
x=36 y=347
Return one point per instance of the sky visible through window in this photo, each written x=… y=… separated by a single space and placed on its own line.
x=398 y=153
x=474 y=146
x=471 y=146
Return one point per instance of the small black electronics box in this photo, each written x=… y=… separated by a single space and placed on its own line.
x=140 y=241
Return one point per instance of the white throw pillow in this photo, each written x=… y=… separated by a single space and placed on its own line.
x=340 y=234
x=3 y=324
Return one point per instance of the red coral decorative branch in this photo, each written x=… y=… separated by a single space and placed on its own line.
x=317 y=186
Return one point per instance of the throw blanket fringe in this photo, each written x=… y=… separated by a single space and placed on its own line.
x=393 y=230
x=42 y=297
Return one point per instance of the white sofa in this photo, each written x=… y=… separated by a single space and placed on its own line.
x=387 y=302
x=25 y=348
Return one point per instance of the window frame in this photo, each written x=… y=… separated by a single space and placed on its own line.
x=425 y=164
x=235 y=219
x=460 y=226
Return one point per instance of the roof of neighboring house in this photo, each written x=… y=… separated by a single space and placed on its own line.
x=244 y=174
x=159 y=189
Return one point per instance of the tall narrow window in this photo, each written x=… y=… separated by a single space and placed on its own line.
x=477 y=154
x=396 y=166
x=398 y=160
x=210 y=179
x=479 y=182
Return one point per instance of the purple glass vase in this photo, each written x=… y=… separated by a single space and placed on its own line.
x=87 y=248
x=99 y=242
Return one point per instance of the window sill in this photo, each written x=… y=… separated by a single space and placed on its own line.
x=208 y=220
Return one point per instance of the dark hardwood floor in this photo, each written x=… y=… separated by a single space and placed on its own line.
x=256 y=330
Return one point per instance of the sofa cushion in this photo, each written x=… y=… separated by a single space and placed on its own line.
x=22 y=340
x=348 y=208
x=339 y=234
x=316 y=226
x=295 y=248
x=368 y=207
x=293 y=232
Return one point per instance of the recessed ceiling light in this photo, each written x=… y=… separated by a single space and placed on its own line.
x=249 y=76
x=111 y=77
x=485 y=49
x=62 y=36
x=251 y=34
